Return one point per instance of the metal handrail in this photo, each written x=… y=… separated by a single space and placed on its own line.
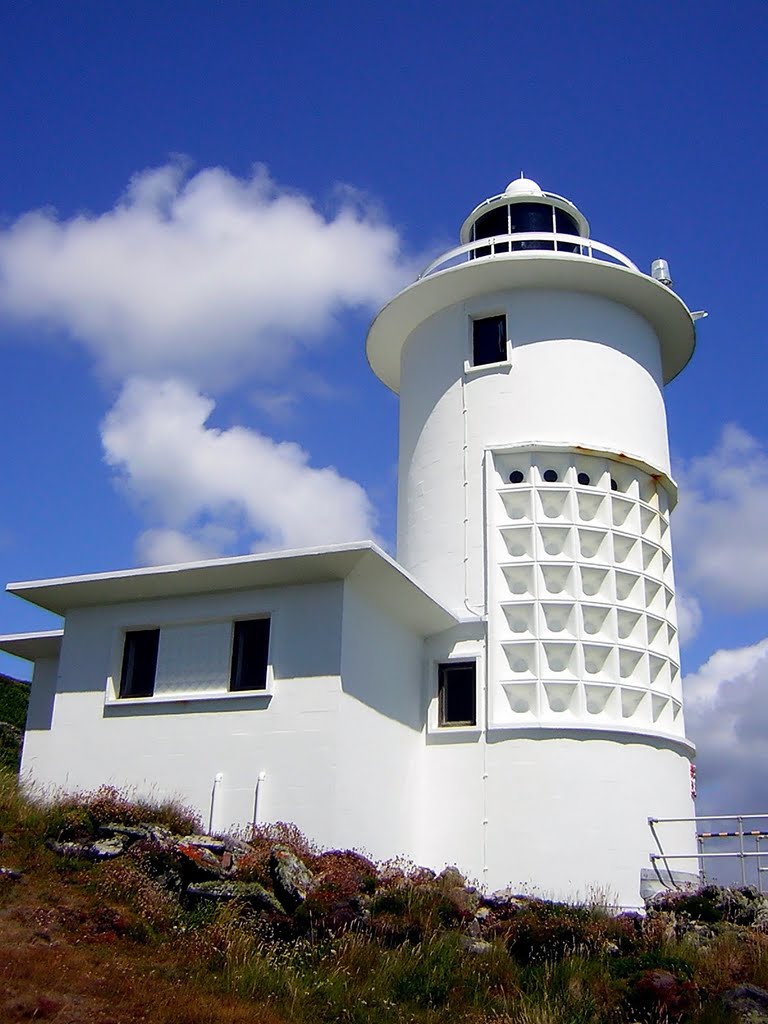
x=741 y=854
x=588 y=249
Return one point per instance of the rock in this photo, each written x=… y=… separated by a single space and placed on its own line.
x=100 y=849
x=143 y=832
x=205 y=843
x=749 y=1002
x=660 y=992
x=252 y=893
x=131 y=832
x=201 y=859
x=451 y=878
x=291 y=876
x=465 y=899
x=505 y=901
x=10 y=874
x=103 y=849
x=474 y=945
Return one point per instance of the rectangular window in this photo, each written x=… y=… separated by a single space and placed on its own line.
x=456 y=693
x=250 y=655
x=489 y=340
x=137 y=677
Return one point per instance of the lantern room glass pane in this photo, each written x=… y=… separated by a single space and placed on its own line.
x=531 y=217
x=567 y=226
x=492 y=223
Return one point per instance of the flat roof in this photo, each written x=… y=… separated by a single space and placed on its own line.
x=386 y=582
x=32 y=646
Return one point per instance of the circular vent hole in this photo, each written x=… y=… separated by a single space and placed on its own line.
x=516 y=477
x=550 y=476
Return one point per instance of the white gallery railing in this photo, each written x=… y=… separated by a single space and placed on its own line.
x=505 y=245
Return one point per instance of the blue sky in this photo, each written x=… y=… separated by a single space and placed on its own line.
x=376 y=129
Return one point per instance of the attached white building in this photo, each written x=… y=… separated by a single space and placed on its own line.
x=507 y=695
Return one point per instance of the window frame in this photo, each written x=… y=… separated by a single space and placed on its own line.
x=236 y=670
x=470 y=366
x=443 y=668
x=126 y=689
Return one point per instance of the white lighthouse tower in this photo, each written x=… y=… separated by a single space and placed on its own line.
x=534 y=502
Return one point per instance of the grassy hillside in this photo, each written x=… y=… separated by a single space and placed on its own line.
x=14 y=698
x=112 y=913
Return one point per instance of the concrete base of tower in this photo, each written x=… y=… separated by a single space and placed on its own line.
x=556 y=816
x=662 y=878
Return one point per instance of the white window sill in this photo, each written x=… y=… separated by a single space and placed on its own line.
x=470 y=369
x=188 y=698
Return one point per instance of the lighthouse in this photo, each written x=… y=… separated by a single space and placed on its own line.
x=505 y=695
x=534 y=501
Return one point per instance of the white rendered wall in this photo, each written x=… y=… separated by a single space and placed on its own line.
x=584 y=371
x=567 y=817
x=333 y=739
x=380 y=743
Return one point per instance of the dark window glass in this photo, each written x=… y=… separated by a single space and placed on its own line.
x=137 y=678
x=492 y=223
x=550 y=476
x=489 y=340
x=584 y=479
x=516 y=477
x=567 y=226
x=250 y=655
x=456 y=693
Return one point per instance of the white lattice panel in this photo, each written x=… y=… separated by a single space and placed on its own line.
x=582 y=625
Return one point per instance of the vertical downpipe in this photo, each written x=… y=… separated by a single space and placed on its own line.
x=258 y=796
x=217 y=781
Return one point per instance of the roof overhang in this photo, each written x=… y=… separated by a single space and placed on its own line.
x=396 y=591
x=33 y=646
x=662 y=308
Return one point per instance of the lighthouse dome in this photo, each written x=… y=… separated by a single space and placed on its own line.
x=523 y=187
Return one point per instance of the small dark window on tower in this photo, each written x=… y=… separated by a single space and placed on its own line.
x=516 y=477
x=550 y=476
x=614 y=485
x=137 y=677
x=456 y=693
x=584 y=479
x=489 y=340
x=250 y=655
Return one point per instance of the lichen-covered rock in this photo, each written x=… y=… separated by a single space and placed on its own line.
x=205 y=843
x=103 y=849
x=142 y=832
x=712 y=904
x=200 y=859
x=99 y=849
x=252 y=893
x=291 y=876
x=505 y=902
x=451 y=878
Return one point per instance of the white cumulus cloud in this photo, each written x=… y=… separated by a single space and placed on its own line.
x=206 y=277
x=689 y=615
x=721 y=552
x=727 y=718
x=208 y=491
